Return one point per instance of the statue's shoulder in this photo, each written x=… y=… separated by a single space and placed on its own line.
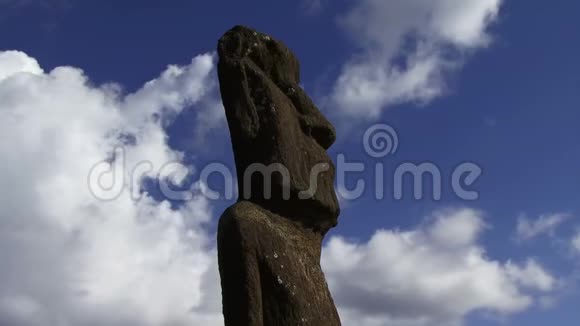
x=242 y=224
x=243 y=213
x=248 y=218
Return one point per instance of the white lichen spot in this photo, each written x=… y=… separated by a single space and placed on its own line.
x=267 y=38
x=280 y=280
x=276 y=255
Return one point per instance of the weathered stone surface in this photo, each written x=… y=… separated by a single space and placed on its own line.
x=269 y=247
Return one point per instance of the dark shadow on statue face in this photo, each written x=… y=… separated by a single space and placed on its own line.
x=272 y=120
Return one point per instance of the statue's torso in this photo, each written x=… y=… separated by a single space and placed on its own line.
x=292 y=286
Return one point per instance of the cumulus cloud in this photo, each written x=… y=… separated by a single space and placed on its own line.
x=531 y=275
x=528 y=229
x=69 y=258
x=406 y=49
x=12 y=62
x=434 y=275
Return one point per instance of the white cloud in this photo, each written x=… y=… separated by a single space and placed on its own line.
x=70 y=259
x=545 y=224
x=576 y=243
x=12 y=62
x=407 y=48
x=531 y=275
x=434 y=275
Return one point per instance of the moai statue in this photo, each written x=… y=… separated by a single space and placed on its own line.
x=270 y=241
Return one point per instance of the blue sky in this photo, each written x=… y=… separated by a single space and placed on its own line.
x=496 y=83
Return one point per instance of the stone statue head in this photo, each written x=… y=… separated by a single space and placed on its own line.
x=273 y=123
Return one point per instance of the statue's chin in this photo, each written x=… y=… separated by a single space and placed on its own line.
x=319 y=213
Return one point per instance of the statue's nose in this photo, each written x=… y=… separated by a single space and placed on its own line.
x=320 y=130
